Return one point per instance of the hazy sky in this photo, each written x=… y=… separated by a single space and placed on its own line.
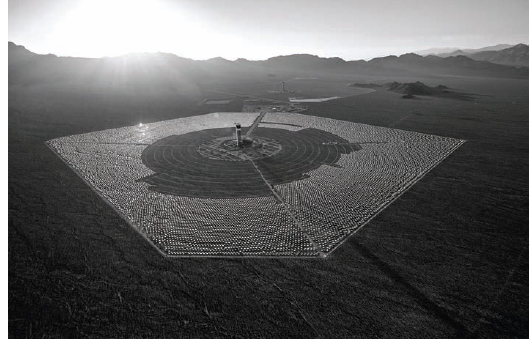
x=257 y=30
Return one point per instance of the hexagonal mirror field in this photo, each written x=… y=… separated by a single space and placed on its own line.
x=279 y=184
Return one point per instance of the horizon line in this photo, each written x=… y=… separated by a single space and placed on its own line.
x=257 y=60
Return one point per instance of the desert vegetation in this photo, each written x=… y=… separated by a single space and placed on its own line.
x=446 y=259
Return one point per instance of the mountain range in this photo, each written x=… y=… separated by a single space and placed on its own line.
x=154 y=71
x=517 y=55
x=448 y=50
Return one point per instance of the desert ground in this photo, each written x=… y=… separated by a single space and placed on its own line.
x=449 y=258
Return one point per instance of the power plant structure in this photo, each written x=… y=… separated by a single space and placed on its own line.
x=296 y=182
x=238 y=134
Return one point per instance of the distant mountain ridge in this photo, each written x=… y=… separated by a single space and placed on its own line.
x=517 y=55
x=446 y=51
x=165 y=70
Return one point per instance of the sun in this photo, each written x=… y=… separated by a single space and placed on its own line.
x=99 y=28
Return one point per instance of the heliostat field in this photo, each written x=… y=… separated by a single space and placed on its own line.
x=299 y=187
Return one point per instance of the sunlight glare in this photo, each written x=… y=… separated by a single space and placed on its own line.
x=99 y=28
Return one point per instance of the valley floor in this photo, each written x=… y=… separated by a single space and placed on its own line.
x=449 y=258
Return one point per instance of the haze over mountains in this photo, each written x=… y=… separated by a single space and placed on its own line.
x=517 y=55
x=448 y=50
x=163 y=71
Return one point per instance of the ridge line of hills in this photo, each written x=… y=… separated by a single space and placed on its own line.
x=448 y=50
x=512 y=55
x=26 y=67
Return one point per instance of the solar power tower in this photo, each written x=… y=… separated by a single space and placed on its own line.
x=238 y=134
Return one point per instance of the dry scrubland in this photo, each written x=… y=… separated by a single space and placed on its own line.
x=314 y=214
x=447 y=259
